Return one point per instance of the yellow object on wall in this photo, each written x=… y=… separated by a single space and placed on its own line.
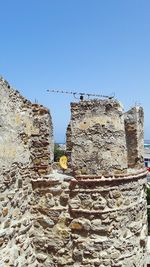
x=63 y=162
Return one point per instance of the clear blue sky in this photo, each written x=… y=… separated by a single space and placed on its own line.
x=100 y=46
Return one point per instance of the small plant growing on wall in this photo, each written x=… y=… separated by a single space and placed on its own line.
x=58 y=152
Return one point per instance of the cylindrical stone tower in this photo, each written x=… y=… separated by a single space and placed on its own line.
x=109 y=220
x=108 y=195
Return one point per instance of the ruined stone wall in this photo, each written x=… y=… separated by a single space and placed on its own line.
x=26 y=133
x=134 y=120
x=53 y=220
x=41 y=142
x=98 y=137
x=108 y=213
x=90 y=221
x=24 y=129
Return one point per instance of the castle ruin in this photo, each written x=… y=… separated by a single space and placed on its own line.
x=95 y=217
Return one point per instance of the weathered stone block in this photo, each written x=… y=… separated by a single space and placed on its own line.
x=97 y=137
x=134 y=126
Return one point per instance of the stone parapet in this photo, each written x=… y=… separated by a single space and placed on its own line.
x=134 y=120
x=41 y=142
x=97 y=137
x=102 y=139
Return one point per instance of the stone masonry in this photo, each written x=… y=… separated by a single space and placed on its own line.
x=98 y=216
x=26 y=151
x=108 y=196
x=100 y=133
x=134 y=119
x=98 y=137
x=90 y=221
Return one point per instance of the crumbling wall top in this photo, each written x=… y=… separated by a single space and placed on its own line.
x=98 y=137
x=21 y=125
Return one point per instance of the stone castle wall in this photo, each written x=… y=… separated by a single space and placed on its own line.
x=106 y=152
x=26 y=151
x=26 y=135
x=97 y=217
